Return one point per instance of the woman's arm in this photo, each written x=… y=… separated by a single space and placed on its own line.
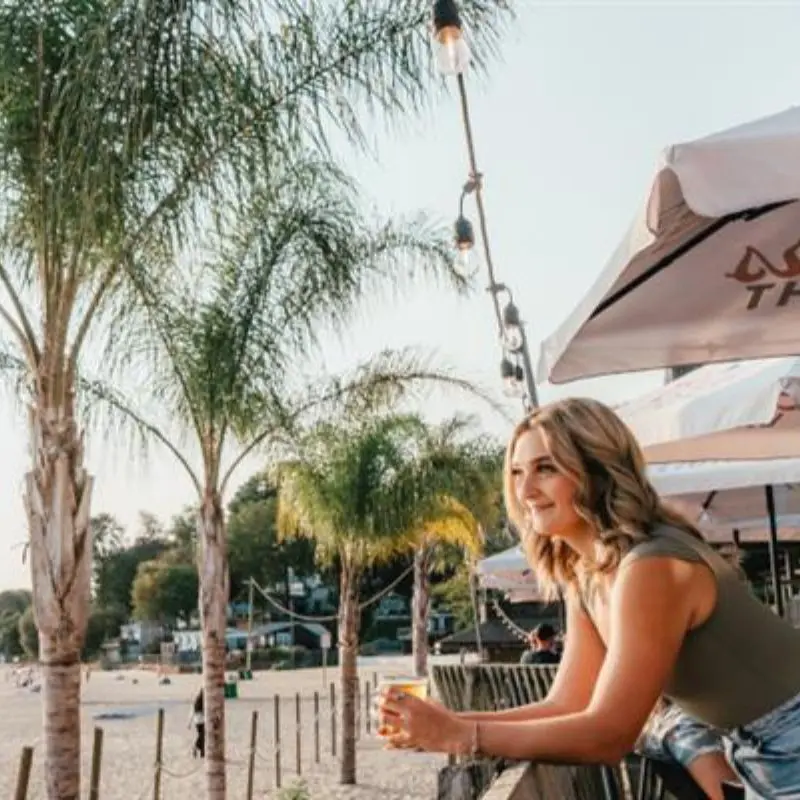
x=652 y=604
x=572 y=688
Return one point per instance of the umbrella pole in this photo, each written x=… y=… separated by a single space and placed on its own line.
x=773 y=549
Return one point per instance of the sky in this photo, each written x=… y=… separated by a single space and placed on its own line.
x=568 y=125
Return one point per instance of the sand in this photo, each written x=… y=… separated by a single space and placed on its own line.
x=129 y=744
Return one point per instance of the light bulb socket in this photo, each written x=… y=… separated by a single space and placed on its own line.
x=511 y=316
x=446 y=17
x=464 y=234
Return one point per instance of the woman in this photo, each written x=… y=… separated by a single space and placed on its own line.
x=651 y=610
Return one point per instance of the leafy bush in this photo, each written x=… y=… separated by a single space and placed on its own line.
x=297 y=791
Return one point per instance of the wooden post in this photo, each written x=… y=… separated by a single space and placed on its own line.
x=159 y=754
x=367 y=709
x=251 y=757
x=298 y=726
x=97 y=757
x=277 y=721
x=24 y=774
x=316 y=727
x=375 y=679
x=333 y=720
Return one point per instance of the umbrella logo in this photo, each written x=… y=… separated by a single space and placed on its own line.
x=757 y=273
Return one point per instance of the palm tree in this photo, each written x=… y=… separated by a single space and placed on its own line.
x=222 y=364
x=121 y=125
x=468 y=470
x=362 y=489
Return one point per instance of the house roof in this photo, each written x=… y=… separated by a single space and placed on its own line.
x=275 y=627
x=496 y=633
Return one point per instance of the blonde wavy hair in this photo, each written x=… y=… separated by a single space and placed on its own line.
x=589 y=443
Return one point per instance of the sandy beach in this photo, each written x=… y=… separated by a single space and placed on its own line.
x=129 y=742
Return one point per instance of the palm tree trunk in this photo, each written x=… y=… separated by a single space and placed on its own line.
x=420 y=610
x=348 y=660
x=57 y=500
x=213 y=570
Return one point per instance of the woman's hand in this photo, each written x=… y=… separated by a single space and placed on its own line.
x=423 y=724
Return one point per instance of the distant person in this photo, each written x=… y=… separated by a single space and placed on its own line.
x=198 y=719
x=543 y=649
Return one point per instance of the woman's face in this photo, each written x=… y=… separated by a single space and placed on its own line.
x=546 y=495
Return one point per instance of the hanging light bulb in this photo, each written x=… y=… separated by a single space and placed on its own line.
x=513 y=378
x=452 y=52
x=513 y=337
x=466 y=264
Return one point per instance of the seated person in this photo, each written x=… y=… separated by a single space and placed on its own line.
x=542 y=650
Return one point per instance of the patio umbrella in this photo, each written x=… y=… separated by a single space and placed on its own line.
x=710 y=268
x=745 y=410
x=508 y=572
x=726 y=495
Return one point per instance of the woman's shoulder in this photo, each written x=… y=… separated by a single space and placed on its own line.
x=667 y=540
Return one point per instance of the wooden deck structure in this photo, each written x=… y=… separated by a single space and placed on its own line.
x=492 y=687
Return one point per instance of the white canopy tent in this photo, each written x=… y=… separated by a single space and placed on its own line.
x=710 y=268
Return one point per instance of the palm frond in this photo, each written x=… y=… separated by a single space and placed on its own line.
x=383 y=485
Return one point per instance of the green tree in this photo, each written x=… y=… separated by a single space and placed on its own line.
x=362 y=489
x=165 y=591
x=29 y=633
x=104 y=624
x=254 y=548
x=14 y=601
x=13 y=604
x=118 y=571
x=108 y=536
x=455 y=590
x=182 y=536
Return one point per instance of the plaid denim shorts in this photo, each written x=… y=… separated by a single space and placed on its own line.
x=766 y=754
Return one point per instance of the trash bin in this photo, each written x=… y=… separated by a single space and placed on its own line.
x=231 y=690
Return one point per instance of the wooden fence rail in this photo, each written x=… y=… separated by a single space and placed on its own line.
x=493 y=687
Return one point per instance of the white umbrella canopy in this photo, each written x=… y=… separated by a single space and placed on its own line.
x=738 y=490
x=743 y=410
x=710 y=269
x=507 y=571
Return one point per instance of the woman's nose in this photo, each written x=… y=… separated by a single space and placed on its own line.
x=529 y=486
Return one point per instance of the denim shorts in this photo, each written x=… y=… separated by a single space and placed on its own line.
x=766 y=754
x=673 y=735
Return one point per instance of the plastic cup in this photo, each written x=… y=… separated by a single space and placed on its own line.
x=418 y=687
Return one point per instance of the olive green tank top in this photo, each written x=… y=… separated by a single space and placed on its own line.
x=744 y=661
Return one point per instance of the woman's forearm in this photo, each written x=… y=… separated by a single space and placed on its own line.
x=573 y=738
x=533 y=711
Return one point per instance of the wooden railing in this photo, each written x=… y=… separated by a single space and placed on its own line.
x=492 y=687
